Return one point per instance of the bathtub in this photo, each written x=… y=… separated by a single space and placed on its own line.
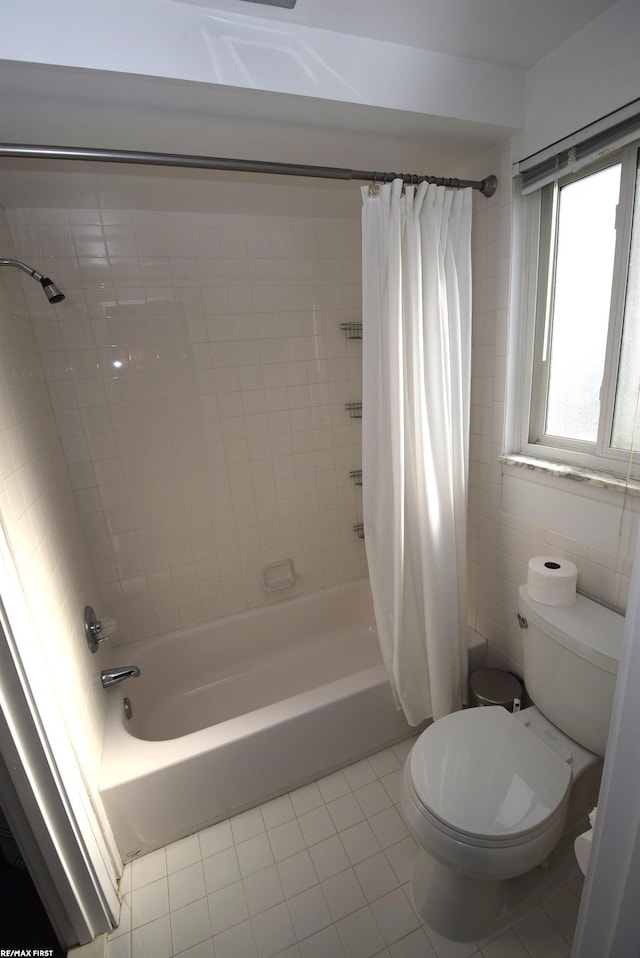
x=242 y=709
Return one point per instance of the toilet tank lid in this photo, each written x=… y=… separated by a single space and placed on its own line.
x=587 y=628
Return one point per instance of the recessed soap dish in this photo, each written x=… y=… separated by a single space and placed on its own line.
x=278 y=576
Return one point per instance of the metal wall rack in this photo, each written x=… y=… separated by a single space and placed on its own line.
x=354 y=409
x=351 y=330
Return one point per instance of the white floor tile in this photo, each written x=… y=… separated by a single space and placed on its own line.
x=334 y=786
x=286 y=840
x=215 y=839
x=451 y=949
x=359 y=842
x=563 y=912
x=297 y=873
x=278 y=811
x=322 y=872
x=540 y=936
x=186 y=886
x=221 y=869
x=373 y=798
x=329 y=857
x=307 y=798
x=236 y=942
x=202 y=950
x=124 y=885
x=119 y=947
x=152 y=940
x=228 y=907
x=263 y=890
x=360 y=934
x=247 y=825
x=325 y=944
x=149 y=868
x=149 y=902
x=254 y=855
x=344 y=894
x=190 y=925
x=395 y=916
x=388 y=827
x=376 y=876
x=345 y=811
x=124 y=926
x=415 y=945
x=391 y=784
x=316 y=825
x=360 y=774
x=402 y=749
x=385 y=762
x=183 y=853
x=507 y=945
x=273 y=931
x=309 y=912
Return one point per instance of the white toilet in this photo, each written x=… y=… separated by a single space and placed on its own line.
x=490 y=796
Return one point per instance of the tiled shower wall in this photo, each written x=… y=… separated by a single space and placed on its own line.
x=43 y=533
x=199 y=377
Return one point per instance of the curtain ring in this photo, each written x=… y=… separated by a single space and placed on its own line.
x=374 y=189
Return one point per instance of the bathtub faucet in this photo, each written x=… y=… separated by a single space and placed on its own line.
x=113 y=676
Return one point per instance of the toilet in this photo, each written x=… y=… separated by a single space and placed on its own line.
x=494 y=799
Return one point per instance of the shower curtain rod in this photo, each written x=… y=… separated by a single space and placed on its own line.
x=487 y=186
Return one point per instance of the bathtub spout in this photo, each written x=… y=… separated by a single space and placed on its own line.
x=113 y=676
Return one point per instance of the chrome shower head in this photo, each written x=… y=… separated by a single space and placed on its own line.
x=52 y=292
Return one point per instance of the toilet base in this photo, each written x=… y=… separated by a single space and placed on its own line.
x=468 y=909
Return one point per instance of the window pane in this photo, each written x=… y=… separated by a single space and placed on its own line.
x=584 y=267
x=626 y=411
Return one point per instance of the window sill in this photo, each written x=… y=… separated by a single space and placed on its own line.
x=592 y=478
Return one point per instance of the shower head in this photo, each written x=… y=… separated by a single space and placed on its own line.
x=52 y=292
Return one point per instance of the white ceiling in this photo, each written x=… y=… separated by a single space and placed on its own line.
x=44 y=102
x=511 y=32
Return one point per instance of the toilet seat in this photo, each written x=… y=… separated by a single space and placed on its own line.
x=484 y=779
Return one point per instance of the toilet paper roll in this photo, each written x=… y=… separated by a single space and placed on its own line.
x=582 y=848
x=552 y=581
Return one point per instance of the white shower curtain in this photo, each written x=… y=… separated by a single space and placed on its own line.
x=416 y=393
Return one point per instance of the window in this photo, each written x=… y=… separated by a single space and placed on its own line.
x=582 y=404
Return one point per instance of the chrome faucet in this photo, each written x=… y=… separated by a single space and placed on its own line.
x=113 y=676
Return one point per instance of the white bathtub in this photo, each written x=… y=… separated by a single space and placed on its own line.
x=244 y=708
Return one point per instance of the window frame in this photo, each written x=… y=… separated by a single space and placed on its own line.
x=538 y=210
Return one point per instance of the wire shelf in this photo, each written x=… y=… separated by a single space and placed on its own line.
x=354 y=409
x=359 y=529
x=351 y=330
x=356 y=475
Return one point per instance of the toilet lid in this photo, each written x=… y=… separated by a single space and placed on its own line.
x=484 y=774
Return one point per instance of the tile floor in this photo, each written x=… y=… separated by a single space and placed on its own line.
x=319 y=873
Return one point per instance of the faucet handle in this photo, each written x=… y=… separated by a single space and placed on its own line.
x=97 y=630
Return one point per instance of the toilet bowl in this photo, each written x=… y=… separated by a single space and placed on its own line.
x=513 y=816
x=492 y=798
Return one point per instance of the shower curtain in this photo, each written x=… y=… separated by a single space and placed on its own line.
x=415 y=420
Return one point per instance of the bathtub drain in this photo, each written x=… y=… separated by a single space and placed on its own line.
x=128 y=708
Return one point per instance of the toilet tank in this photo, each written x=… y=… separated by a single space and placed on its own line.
x=570 y=657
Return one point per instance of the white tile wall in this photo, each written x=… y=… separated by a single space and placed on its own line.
x=198 y=376
x=42 y=526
